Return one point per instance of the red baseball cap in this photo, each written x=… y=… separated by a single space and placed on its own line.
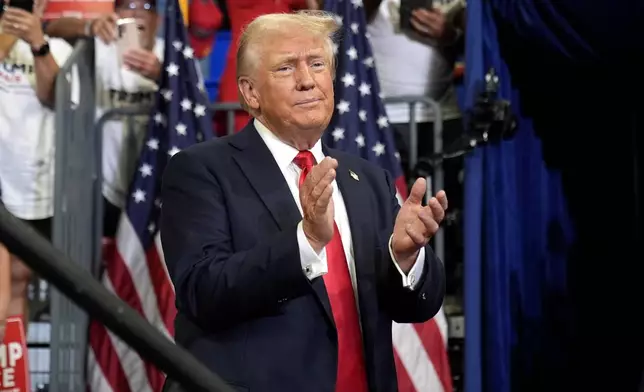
x=204 y=21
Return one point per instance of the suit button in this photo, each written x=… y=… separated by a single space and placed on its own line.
x=423 y=297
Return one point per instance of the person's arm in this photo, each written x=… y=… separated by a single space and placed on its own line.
x=103 y=27
x=5 y=287
x=407 y=304
x=68 y=28
x=215 y=284
x=46 y=70
x=409 y=278
x=28 y=27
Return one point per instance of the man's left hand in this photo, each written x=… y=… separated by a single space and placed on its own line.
x=23 y=25
x=416 y=224
x=143 y=62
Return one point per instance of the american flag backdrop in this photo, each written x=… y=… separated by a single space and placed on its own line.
x=360 y=126
x=134 y=267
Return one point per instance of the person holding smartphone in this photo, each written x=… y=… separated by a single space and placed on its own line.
x=415 y=45
x=29 y=63
x=129 y=57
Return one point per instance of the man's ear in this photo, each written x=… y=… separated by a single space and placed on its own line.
x=248 y=92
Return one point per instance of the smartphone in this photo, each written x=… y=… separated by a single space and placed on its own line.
x=27 y=5
x=128 y=36
x=406 y=8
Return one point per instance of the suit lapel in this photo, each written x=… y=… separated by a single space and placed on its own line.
x=258 y=165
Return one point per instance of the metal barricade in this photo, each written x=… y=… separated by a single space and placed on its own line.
x=230 y=108
x=438 y=179
x=128 y=115
x=75 y=211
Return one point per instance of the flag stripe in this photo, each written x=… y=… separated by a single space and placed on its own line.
x=104 y=364
x=163 y=289
x=415 y=360
x=404 y=380
x=130 y=252
x=97 y=379
x=136 y=372
x=432 y=340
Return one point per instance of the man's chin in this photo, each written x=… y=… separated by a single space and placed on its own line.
x=313 y=125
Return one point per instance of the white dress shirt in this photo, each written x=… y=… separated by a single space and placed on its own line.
x=313 y=264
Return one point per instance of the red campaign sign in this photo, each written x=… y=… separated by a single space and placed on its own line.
x=14 y=366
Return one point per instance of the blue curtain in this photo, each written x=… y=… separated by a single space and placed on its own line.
x=517 y=236
x=547 y=263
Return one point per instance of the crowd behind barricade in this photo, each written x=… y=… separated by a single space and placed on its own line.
x=414 y=56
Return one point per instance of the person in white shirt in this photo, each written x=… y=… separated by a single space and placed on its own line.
x=417 y=61
x=123 y=81
x=29 y=63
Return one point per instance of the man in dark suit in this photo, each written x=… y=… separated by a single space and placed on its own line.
x=290 y=260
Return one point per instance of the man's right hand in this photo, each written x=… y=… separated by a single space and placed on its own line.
x=104 y=27
x=317 y=204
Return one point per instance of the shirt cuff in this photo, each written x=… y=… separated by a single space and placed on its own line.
x=410 y=280
x=314 y=265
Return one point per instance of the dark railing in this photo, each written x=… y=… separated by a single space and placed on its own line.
x=78 y=285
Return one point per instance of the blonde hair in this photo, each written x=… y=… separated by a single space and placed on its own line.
x=316 y=23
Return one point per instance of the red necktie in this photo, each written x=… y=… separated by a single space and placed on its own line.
x=351 y=376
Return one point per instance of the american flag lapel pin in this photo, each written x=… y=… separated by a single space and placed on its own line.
x=354 y=175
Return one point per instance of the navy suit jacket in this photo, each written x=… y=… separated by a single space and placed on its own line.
x=245 y=307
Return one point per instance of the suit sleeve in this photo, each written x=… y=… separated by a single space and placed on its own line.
x=403 y=304
x=215 y=285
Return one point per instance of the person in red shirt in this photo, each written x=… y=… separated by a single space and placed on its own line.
x=241 y=13
x=205 y=19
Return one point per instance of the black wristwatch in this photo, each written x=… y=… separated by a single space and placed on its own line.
x=43 y=50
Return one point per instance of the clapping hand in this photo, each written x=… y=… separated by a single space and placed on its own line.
x=416 y=224
x=317 y=204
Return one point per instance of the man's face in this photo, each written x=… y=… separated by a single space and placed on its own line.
x=294 y=82
x=146 y=19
